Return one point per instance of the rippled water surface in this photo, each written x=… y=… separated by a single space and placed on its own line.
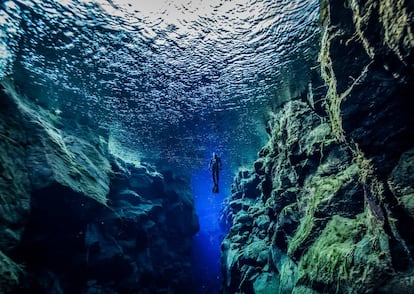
x=170 y=80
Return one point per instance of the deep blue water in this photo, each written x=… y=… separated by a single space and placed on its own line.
x=206 y=250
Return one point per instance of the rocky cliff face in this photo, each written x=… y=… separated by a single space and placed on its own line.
x=328 y=205
x=75 y=219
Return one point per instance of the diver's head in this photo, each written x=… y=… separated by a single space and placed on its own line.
x=214 y=155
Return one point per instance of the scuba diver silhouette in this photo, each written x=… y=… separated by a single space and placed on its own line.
x=215 y=166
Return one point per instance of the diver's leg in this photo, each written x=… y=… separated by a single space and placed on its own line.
x=216 y=180
x=214 y=177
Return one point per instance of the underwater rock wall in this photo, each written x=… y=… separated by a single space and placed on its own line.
x=328 y=205
x=75 y=219
x=15 y=189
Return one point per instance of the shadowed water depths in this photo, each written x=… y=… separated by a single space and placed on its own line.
x=206 y=243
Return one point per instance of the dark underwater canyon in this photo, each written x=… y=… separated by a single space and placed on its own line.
x=109 y=112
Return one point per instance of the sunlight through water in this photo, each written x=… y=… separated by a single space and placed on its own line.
x=163 y=78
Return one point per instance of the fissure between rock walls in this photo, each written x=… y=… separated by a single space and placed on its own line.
x=327 y=207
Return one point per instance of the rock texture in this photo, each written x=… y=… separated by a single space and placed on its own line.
x=328 y=205
x=75 y=219
x=15 y=189
x=299 y=220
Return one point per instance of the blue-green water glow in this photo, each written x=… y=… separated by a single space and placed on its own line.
x=206 y=244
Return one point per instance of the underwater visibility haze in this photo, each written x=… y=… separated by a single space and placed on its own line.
x=110 y=111
x=177 y=78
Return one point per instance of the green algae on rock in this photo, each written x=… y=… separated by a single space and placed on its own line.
x=346 y=256
x=313 y=181
x=10 y=273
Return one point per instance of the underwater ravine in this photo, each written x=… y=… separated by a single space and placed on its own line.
x=207 y=276
x=110 y=112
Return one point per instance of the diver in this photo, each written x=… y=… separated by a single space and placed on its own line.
x=215 y=166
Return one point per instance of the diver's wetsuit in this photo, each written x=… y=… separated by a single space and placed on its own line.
x=215 y=166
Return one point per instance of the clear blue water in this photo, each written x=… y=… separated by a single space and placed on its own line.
x=167 y=82
x=165 y=76
x=206 y=244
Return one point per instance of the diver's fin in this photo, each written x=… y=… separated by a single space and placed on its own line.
x=215 y=189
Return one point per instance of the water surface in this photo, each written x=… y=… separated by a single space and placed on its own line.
x=167 y=80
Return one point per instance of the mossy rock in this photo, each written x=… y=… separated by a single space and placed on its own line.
x=266 y=283
x=256 y=253
x=10 y=273
x=407 y=202
x=319 y=190
x=401 y=181
x=304 y=290
x=346 y=257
